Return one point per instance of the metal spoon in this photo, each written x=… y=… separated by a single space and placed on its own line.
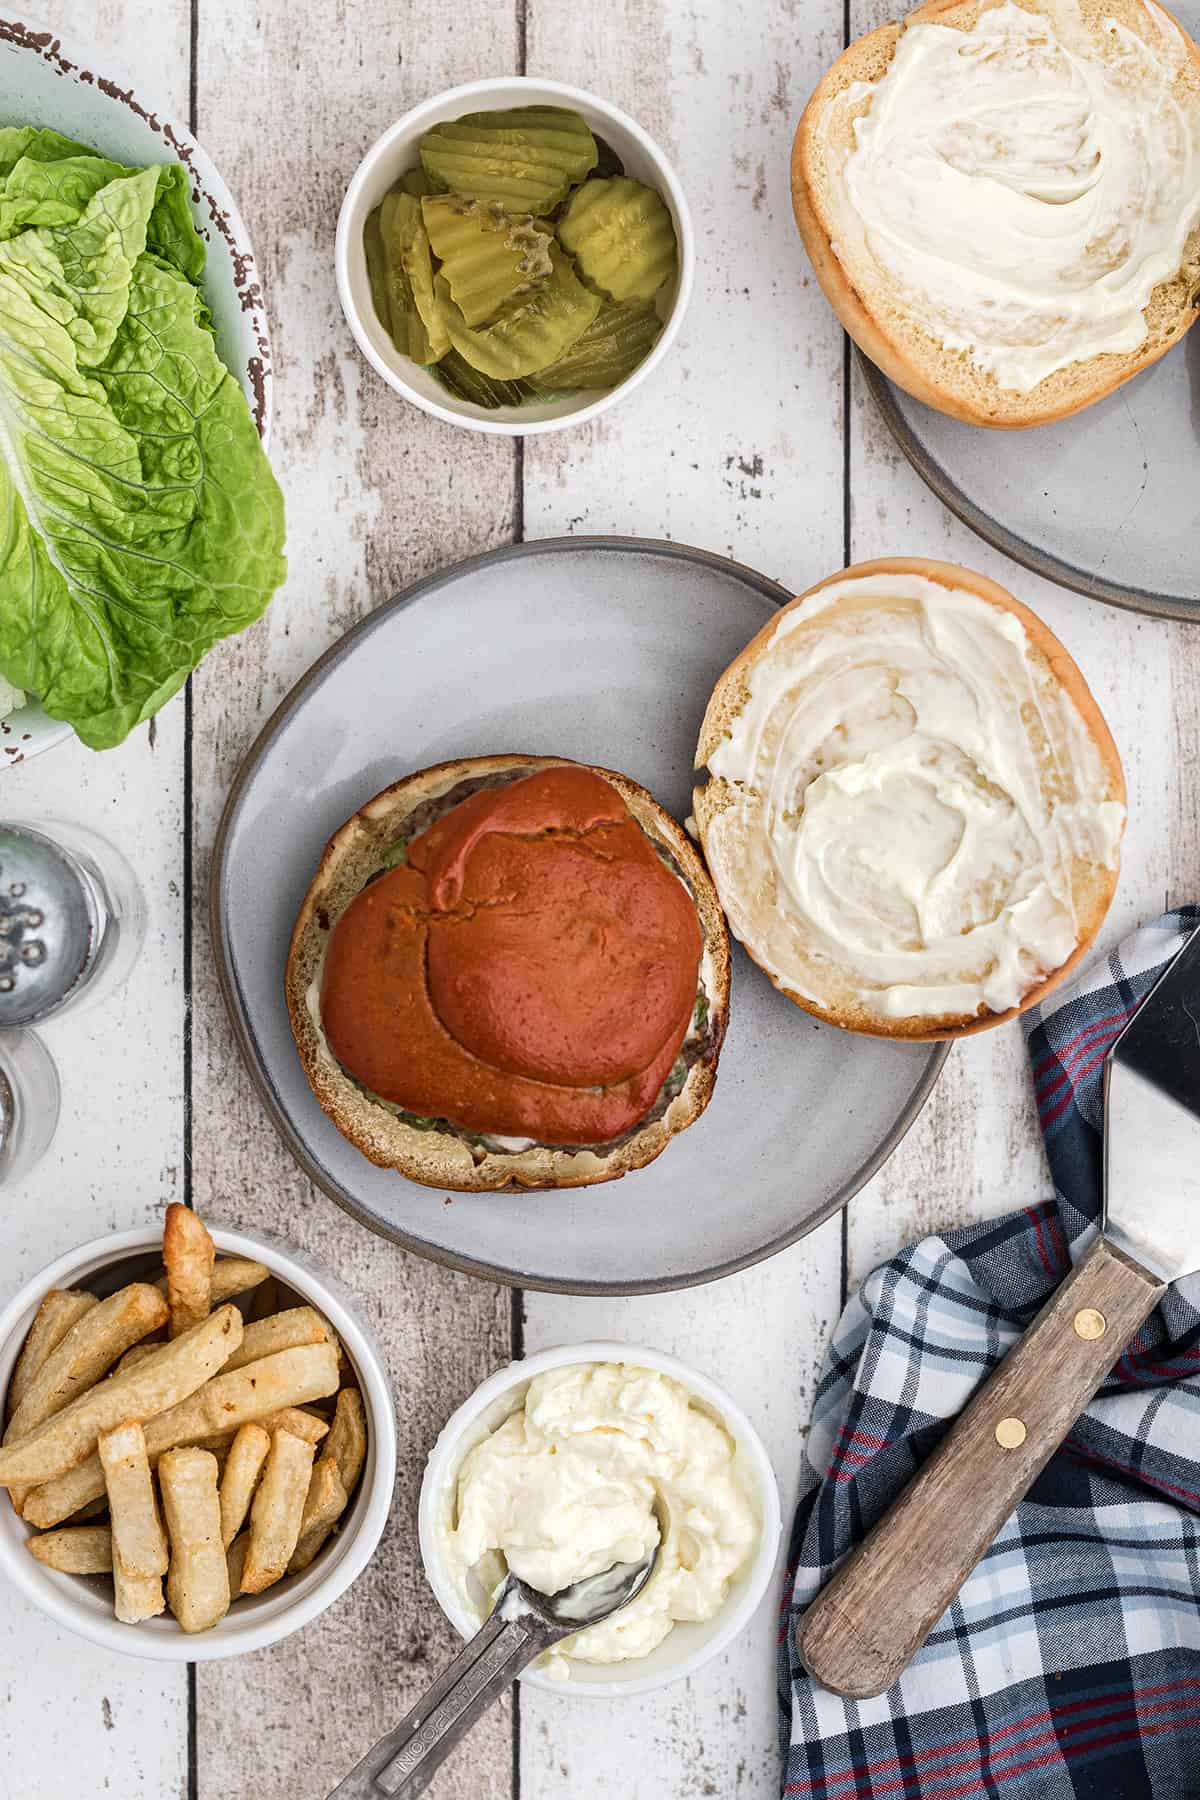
x=522 y=1625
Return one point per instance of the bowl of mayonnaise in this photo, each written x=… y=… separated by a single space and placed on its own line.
x=592 y=1454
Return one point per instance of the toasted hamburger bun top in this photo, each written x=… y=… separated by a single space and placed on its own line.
x=914 y=807
x=474 y=1018
x=1002 y=201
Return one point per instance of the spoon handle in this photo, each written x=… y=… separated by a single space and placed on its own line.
x=403 y=1762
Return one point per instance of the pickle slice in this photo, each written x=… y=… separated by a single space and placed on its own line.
x=403 y=320
x=618 y=339
x=415 y=181
x=488 y=256
x=471 y=384
x=621 y=236
x=531 y=331
x=377 y=269
x=414 y=318
x=528 y=158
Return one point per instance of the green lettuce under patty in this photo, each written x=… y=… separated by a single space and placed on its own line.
x=139 y=518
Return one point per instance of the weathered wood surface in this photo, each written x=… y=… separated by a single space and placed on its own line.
x=377 y=494
x=736 y=445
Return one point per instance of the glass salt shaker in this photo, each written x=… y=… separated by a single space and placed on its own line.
x=29 y=1101
x=72 y=920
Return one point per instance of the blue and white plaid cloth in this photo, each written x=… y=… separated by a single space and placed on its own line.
x=1069 y=1665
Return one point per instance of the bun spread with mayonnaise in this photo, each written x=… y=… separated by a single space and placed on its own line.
x=913 y=807
x=510 y=971
x=1002 y=201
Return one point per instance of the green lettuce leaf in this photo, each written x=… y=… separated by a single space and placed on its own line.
x=52 y=193
x=36 y=143
x=47 y=179
x=139 y=519
x=172 y=232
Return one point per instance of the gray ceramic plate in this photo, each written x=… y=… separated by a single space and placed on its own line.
x=1107 y=502
x=605 y=650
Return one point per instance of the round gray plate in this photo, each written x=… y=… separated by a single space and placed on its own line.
x=1106 y=502
x=604 y=650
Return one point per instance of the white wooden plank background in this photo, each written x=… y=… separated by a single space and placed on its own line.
x=738 y=446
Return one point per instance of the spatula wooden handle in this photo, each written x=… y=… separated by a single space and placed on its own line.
x=864 y=1627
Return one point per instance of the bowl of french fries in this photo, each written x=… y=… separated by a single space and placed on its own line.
x=199 y=1443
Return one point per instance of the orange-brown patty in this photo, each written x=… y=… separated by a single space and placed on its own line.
x=530 y=970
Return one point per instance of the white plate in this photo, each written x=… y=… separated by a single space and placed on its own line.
x=604 y=650
x=44 y=81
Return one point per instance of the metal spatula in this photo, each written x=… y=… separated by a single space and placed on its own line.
x=867 y=1624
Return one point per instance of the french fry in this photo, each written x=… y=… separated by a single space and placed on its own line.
x=299 y=1421
x=283 y=1331
x=231 y=1275
x=277 y=1510
x=137 y=1532
x=198 y=1578
x=135 y=1597
x=334 y=1478
x=61 y=1309
x=189 y=1253
x=247 y=1396
x=235 y=1562
x=348 y=1437
x=154 y=1386
x=323 y=1507
x=78 y=1550
x=87 y=1351
x=247 y=1454
x=135 y=1354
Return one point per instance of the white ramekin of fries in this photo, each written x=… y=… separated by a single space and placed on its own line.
x=199 y=1441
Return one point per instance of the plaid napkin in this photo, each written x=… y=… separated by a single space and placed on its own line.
x=1069 y=1664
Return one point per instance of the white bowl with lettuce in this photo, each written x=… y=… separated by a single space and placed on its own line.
x=139 y=519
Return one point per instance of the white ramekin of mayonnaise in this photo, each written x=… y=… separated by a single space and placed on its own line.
x=635 y=1433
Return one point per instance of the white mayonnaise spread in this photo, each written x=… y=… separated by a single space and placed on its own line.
x=910 y=794
x=1023 y=186
x=602 y=1463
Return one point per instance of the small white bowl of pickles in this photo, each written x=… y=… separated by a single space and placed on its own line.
x=514 y=256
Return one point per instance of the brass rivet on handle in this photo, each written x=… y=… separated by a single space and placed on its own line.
x=1089 y=1323
x=1010 y=1434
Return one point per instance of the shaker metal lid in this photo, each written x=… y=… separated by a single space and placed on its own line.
x=49 y=925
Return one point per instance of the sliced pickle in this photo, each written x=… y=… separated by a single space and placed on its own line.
x=377 y=269
x=418 y=264
x=404 y=322
x=414 y=319
x=533 y=330
x=621 y=236
x=471 y=384
x=415 y=181
x=618 y=339
x=528 y=158
x=488 y=256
